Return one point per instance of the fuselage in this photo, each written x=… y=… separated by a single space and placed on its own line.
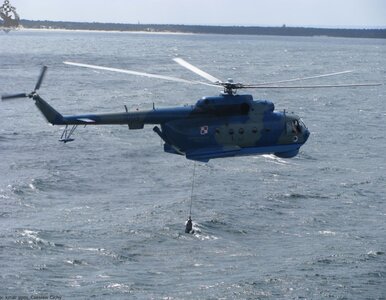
x=220 y=126
x=234 y=125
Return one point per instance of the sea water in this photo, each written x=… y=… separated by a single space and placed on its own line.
x=103 y=217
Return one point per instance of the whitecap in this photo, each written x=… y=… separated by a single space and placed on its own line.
x=276 y=160
x=327 y=232
x=118 y=286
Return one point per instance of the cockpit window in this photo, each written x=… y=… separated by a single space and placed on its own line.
x=296 y=126
x=302 y=123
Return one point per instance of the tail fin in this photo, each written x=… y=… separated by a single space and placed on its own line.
x=52 y=116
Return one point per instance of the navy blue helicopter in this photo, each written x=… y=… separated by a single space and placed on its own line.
x=220 y=126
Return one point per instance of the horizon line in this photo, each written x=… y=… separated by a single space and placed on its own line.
x=348 y=27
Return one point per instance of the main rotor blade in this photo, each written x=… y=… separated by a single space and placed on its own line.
x=305 y=78
x=196 y=70
x=308 y=86
x=130 y=72
x=15 y=96
x=41 y=77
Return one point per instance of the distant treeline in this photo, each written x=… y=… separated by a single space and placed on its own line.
x=249 y=30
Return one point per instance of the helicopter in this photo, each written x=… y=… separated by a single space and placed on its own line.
x=222 y=126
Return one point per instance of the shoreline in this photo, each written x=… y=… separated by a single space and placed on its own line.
x=64 y=30
x=203 y=29
x=97 y=31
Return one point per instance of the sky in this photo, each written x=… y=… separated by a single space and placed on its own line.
x=308 y=13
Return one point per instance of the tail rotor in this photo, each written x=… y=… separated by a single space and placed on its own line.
x=28 y=95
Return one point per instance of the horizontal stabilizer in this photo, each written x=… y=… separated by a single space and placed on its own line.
x=86 y=120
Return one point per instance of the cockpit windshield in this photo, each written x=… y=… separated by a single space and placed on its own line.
x=295 y=125
x=301 y=123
